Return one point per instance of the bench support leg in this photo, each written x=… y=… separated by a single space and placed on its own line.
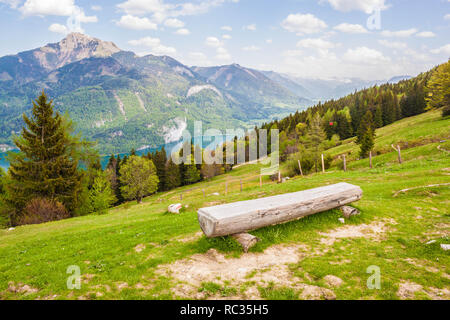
x=348 y=211
x=246 y=240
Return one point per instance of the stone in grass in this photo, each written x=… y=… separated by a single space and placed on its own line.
x=445 y=247
x=341 y=220
x=175 y=208
x=348 y=211
x=333 y=281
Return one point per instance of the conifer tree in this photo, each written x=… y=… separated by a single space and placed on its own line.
x=173 y=179
x=366 y=134
x=47 y=164
x=160 y=160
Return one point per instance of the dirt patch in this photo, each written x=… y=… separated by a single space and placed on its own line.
x=121 y=285
x=139 y=248
x=408 y=290
x=422 y=264
x=191 y=238
x=21 y=288
x=260 y=269
x=374 y=231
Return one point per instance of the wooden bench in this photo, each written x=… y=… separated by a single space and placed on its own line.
x=240 y=217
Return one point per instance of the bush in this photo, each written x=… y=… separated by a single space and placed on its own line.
x=40 y=210
x=306 y=161
x=446 y=111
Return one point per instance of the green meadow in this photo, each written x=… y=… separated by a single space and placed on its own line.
x=140 y=251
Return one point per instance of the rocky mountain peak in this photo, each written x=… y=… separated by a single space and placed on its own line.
x=74 y=47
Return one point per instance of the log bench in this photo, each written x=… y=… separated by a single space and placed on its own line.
x=239 y=217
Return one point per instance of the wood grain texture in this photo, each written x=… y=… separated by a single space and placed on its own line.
x=243 y=216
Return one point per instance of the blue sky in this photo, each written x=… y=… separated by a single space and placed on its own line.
x=308 y=38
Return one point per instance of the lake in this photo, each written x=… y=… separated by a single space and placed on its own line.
x=170 y=147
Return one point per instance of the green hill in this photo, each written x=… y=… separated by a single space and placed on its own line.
x=140 y=251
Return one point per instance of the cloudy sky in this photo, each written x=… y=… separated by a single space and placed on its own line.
x=369 y=39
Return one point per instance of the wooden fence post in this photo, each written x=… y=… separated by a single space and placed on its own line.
x=399 y=154
x=370 y=159
x=260 y=180
x=279 y=176
x=181 y=196
x=345 y=164
x=300 y=167
x=241 y=184
x=323 y=164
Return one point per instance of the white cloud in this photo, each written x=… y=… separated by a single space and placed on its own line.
x=198 y=59
x=426 y=34
x=141 y=7
x=58 y=28
x=444 y=49
x=48 y=7
x=96 y=8
x=160 y=10
x=400 y=33
x=367 y=6
x=222 y=54
x=12 y=3
x=250 y=27
x=174 y=23
x=269 y=41
x=154 y=44
x=251 y=48
x=447 y=17
x=393 y=44
x=213 y=42
x=350 y=28
x=226 y=37
x=131 y=22
x=364 y=55
x=227 y=28
x=183 y=32
x=65 y=8
x=315 y=44
x=303 y=24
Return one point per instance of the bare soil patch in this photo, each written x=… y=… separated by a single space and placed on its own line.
x=374 y=231
x=259 y=269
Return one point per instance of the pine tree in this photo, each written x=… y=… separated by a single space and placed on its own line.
x=160 y=160
x=438 y=89
x=378 y=121
x=366 y=134
x=47 y=164
x=101 y=195
x=315 y=138
x=173 y=178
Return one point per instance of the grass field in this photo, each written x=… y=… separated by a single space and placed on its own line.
x=139 y=251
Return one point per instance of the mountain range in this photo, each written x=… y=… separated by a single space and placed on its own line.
x=125 y=101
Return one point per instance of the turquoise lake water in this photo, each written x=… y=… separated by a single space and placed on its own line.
x=170 y=147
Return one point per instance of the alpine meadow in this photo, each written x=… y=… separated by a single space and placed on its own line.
x=225 y=150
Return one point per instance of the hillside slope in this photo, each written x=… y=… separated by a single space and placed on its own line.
x=142 y=252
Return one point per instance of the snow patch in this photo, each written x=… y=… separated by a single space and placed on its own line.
x=196 y=89
x=173 y=131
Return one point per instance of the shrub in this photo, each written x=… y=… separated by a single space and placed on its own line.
x=446 y=111
x=40 y=210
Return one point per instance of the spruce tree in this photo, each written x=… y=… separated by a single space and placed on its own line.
x=160 y=160
x=47 y=164
x=173 y=179
x=366 y=134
